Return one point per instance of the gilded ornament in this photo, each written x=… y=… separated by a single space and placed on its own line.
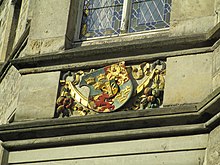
x=111 y=88
x=110 y=81
x=90 y=80
x=145 y=83
x=101 y=77
x=138 y=72
x=122 y=96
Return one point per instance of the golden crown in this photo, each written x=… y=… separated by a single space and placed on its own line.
x=90 y=80
x=101 y=77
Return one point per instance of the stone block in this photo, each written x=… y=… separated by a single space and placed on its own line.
x=195 y=157
x=217 y=5
x=3 y=155
x=216 y=60
x=155 y=151
x=48 y=26
x=188 y=79
x=41 y=46
x=6 y=19
x=216 y=68
x=192 y=17
x=192 y=26
x=9 y=89
x=37 y=98
x=49 y=19
x=190 y=9
x=216 y=81
x=213 y=150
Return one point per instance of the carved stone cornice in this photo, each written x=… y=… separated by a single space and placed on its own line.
x=161 y=122
x=146 y=46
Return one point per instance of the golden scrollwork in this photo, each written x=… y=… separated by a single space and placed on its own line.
x=145 y=83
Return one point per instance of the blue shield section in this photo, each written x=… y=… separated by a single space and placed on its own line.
x=110 y=87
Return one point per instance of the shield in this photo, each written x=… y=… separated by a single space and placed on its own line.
x=110 y=87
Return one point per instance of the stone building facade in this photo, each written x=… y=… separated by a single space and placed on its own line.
x=163 y=109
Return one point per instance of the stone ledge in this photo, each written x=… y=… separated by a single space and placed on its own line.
x=114 y=50
x=105 y=137
x=147 y=47
x=158 y=43
x=211 y=98
x=101 y=63
x=173 y=110
x=133 y=147
x=159 y=117
x=99 y=123
x=161 y=122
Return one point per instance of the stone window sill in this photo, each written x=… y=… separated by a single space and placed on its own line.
x=122 y=37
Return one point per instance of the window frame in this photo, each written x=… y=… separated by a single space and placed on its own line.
x=79 y=11
x=124 y=26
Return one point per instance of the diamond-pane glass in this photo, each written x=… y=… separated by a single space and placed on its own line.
x=149 y=15
x=101 y=18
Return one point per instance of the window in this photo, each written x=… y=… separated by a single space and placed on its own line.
x=113 y=17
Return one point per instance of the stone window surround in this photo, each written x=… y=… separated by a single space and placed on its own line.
x=121 y=37
x=124 y=24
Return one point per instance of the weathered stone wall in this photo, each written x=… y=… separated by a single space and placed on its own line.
x=192 y=16
x=48 y=27
x=217 y=10
x=188 y=79
x=55 y=26
x=23 y=19
x=4 y=10
x=3 y=155
x=5 y=25
x=213 y=150
x=185 y=150
x=216 y=69
x=38 y=93
x=9 y=91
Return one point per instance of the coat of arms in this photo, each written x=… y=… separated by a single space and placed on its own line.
x=110 y=87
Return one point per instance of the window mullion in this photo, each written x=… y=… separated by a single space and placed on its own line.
x=79 y=20
x=125 y=16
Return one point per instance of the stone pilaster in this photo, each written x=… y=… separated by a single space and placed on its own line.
x=48 y=26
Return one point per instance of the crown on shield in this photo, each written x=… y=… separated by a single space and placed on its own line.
x=101 y=77
x=90 y=80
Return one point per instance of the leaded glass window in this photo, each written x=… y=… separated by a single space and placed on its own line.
x=149 y=14
x=101 y=17
x=107 y=17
